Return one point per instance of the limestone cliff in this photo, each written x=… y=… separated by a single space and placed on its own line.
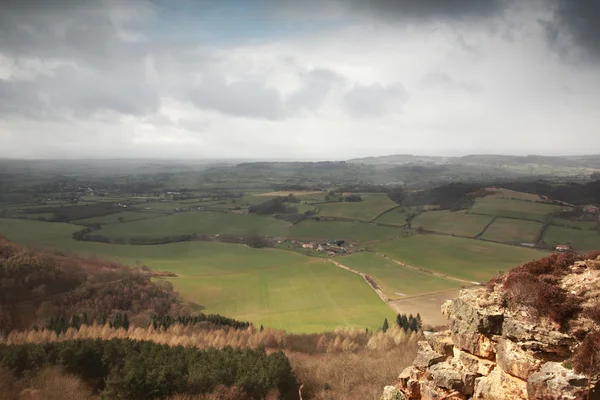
x=533 y=333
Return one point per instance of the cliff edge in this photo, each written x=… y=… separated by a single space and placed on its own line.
x=533 y=333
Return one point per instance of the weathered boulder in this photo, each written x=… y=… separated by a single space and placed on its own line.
x=500 y=386
x=554 y=381
x=426 y=357
x=537 y=337
x=409 y=382
x=447 y=377
x=430 y=392
x=440 y=342
x=516 y=361
x=391 y=393
x=471 y=341
x=468 y=309
x=474 y=364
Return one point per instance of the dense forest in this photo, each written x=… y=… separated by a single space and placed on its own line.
x=37 y=286
x=129 y=369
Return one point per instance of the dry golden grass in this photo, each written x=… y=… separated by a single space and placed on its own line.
x=351 y=376
x=50 y=383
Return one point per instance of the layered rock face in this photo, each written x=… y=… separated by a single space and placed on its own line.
x=495 y=350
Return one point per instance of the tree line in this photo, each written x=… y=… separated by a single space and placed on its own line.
x=409 y=323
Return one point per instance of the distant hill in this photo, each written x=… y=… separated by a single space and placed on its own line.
x=494 y=164
x=586 y=161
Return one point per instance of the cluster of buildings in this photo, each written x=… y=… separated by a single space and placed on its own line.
x=590 y=209
x=335 y=248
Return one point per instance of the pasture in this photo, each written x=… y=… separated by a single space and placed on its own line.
x=124 y=216
x=201 y=222
x=287 y=193
x=468 y=259
x=396 y=216
x=372 y=205
x=395 y=280
x=514 y=231
x=581 y=240
x=457 y=223
x=276 y=288
x=514 y=208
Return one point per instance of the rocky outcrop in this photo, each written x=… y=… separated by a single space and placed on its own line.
x=495 y=350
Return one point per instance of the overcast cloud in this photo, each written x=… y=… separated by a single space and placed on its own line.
x=328 y=79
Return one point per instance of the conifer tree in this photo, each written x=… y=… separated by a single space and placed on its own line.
x=386 y=326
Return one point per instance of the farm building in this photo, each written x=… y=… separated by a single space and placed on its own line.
x=590 y=209
x=562 y=247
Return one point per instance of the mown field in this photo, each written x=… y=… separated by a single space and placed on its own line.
x=582 y=240
x=200 y=222
x=395 y=280
x=514 y=208
x=368 y=209
x=508 y=230
x=457 y=223
x=272 y=287
x=468 y=259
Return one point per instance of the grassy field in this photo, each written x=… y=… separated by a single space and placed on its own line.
x=578 y=239
x=395 y=280
x=462 y=258
x=228 y=223
x=115 y=218
x=458 y=223
x=514 y=208
x=366 y=210
x=272 y=287
x=396 y=216
x=586 y=225
x=513 y=231
x=294 y=192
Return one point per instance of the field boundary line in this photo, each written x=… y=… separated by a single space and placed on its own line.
x=485 y=228
x=427 y=271
x=385 y=212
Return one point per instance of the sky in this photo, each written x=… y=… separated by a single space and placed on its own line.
x=305 y=80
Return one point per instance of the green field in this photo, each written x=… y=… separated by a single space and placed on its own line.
x=587 y=225
x=395 y=280
x=578 y=239
x=514 y=231
x=272 y=287
x=369 y=208
x=115 y=218
x=228 y=223
x=457 y=223
x=397 y=216
x=514 y=208
x=468 y=259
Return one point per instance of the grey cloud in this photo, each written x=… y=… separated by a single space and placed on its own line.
x=579 y=20
x=69 y=91
x=246 y=98
x=444 y=81
x=431 y=8
x=316 y=85
x=376 y=99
